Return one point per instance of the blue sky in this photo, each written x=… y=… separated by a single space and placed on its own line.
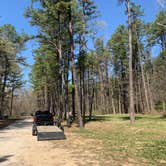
x=112 y=14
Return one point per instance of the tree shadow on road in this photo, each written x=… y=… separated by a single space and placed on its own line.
x=19 y=125
x=16 y=125
x=5 y=158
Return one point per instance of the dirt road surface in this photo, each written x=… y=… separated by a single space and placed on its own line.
x=19 y=148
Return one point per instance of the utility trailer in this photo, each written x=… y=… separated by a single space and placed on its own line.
x=49 y=133
x=45 y=128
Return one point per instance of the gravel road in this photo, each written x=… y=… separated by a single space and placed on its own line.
x=19 y=148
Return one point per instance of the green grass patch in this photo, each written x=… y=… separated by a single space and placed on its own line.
x=144 y=142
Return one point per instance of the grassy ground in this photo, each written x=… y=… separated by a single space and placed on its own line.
x=143 y=143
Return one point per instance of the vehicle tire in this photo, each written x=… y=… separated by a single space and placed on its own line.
x=33 y=133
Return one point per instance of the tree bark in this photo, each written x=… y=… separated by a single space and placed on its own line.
x=11 y=103
x=144 y=84
x=150 y=93
x=131 y=89
x=77 y=103
x=4 y=86
x=163 y=103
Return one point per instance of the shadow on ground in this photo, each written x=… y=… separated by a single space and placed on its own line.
x=122 y=117
x=16 y=125
x=19 y=124
x=5 y=158
x=7 y=122
x=98 y=118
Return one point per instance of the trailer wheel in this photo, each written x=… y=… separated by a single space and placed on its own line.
x=34 y=130
x=33 y=133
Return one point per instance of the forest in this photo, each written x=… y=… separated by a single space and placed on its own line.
x=78 y=74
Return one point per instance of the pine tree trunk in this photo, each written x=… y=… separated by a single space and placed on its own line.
x=150 y=93
x=77 y=103
x=91 y=102
x=3 y=87
x=119 y=102
x=11 y=103
x=144 y=84
x=73 y=99
x=84 y=94
x=113 y=103
x=163 y=103
x=131 y=89
x=101 y=88
x=141 y=99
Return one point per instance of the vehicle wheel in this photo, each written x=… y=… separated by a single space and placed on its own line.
x=34 y=130
x=33 y=133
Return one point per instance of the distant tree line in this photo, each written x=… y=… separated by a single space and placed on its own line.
x=11 y=44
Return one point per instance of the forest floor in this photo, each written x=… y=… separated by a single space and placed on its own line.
x=106 y=140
